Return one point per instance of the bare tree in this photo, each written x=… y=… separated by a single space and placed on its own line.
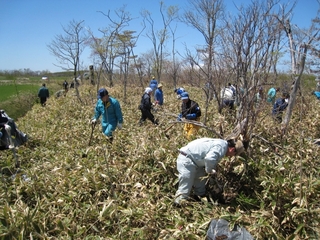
x=108 y=46
x=203 y=16
x=137 y=63
x=127 y=44
x=147 y=59
x=315 y=51
x=175 y=65
x=160 y=37
x=68 y=47
x=248 y=50
x=298 y=53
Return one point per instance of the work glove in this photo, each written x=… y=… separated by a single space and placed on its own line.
x=7 y=127
x=119 y=126
x=93 y=121
x=179 y=117
x=213 y=172
x=191 y=116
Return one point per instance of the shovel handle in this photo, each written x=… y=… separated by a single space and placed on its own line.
x=92 y=128
x=168 y=128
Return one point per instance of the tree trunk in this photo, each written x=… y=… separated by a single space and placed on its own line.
x=293 y=94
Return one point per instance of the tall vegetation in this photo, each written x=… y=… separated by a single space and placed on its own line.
x=67 y=189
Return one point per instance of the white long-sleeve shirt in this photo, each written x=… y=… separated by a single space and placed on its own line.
x=206 y=152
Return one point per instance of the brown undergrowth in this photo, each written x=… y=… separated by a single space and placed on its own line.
x=125 y=190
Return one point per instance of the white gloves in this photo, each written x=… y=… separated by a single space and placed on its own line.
x=119 y=125
x=93 y=121
x=213 y=172
x=7 y=127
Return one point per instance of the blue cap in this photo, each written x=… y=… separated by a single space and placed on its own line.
x=102 y=92
x=179 y=90
x=184 y=95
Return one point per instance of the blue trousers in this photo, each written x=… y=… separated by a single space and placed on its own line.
x=108 y=129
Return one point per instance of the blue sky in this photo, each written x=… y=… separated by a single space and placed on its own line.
x=28 y=26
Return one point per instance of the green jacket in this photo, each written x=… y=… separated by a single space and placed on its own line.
x=43 y=92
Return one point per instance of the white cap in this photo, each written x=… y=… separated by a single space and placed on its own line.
x=148 y=90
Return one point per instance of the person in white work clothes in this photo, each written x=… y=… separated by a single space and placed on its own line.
x=199 y=158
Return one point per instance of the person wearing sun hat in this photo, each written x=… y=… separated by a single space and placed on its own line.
x=110 y=110
x=158 y=95
x=199 y=158
x=190 y=110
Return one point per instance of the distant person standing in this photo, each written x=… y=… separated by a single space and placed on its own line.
x=43 y=94
x=153 y=85
x=279 y=106
x=259 y=96
x=145 y=108
x=65 y=85
x=159 y=95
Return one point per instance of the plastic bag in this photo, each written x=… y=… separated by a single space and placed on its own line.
x=219 y=229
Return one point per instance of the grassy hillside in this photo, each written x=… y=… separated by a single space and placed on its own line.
x=18 y=96
x=125 y=190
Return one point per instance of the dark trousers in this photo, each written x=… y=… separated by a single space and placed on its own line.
x=43 y=101
x=146 y=114
x=228 y=103
x=277 y=117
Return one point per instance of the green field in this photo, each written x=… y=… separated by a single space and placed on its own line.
x=11 y=90
x=18 y=96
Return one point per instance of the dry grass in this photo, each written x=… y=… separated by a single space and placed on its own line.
x=125 y=190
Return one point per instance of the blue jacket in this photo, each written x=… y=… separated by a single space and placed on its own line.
x=271 y=95
x=279 y=106
x=43 y=92
x=153 y=84
x=111 y=113
x=158 y=96
x=190 y=110
x=317 y=94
